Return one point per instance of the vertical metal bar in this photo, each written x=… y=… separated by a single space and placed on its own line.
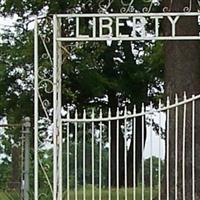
x=36 y=110
x=193 y=148
x=109 y=156
x=55 y=104
x=77 y=27
x=143 y=122
x=134 y=153
x=84 y=142
x=93 y=132
x=60 y=160
x=68 y=181
x=76 y=156
x=22 y=163
x=100 y=155
x=159 y=162
x=94 y=27
x=125 y=152
x=167 y=185
x=184 y=134
x=151 y=153
x=176 y=148
x=59 y=78
x=117 y=153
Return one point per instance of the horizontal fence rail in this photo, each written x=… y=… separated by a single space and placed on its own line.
x=125 y=154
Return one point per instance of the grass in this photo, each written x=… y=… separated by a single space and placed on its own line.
x=9 y=196
x=104 y=194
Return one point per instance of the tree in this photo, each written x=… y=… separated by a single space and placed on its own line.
x=15 y=94
x=182 y=72
x=92 y=70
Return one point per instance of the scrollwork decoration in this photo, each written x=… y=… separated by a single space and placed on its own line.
x=47 y=85
x=152 y=3
x=148 y=9
x=198 y=2
x=127 y=7
x=188 y=8
x=104 y=5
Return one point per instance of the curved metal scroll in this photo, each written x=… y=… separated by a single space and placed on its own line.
x=127 y=6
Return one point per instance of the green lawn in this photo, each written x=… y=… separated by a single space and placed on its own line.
x=104 y=194
x=9 y=196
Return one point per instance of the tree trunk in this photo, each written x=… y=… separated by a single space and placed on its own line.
x=113 y=101
x=182 y=73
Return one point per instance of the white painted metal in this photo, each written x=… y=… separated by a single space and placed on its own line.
x=93 y=138
x=162 y=109
x=68 y=142
x=193 y=148
x=58 y=110
x=180 y=38
x=76 y=157
x=134 y=154
x=97 y=137
x=36 y=110
x=126 y=118
x=142 y=146
x=167 y=160
x=117 y=153
x=176 y=149
x=91 y=15
x=159 y=162
x=109 y=156
x=183 y=152
x=55 y=116
x=100 y=154
x=84 y=142
x=114 y=30
x=151 y=152
x=125 y=153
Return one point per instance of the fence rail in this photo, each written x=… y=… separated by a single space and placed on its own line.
x=107 y=151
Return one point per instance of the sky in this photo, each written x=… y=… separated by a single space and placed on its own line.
x=157 y=140
x=7 y=22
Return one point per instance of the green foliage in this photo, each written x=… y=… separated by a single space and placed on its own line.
x=95 y=70
x=155 y=171
x=5 y=168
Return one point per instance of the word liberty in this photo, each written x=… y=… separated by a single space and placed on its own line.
x=125 y=27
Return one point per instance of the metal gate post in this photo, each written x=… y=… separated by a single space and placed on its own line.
x=26 y=132
x=59 y=112
x=57 y=132
x=36 y=110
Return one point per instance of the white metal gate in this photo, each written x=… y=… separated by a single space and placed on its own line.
x=97 y=127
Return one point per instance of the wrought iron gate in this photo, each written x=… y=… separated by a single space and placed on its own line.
x=97 y=128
